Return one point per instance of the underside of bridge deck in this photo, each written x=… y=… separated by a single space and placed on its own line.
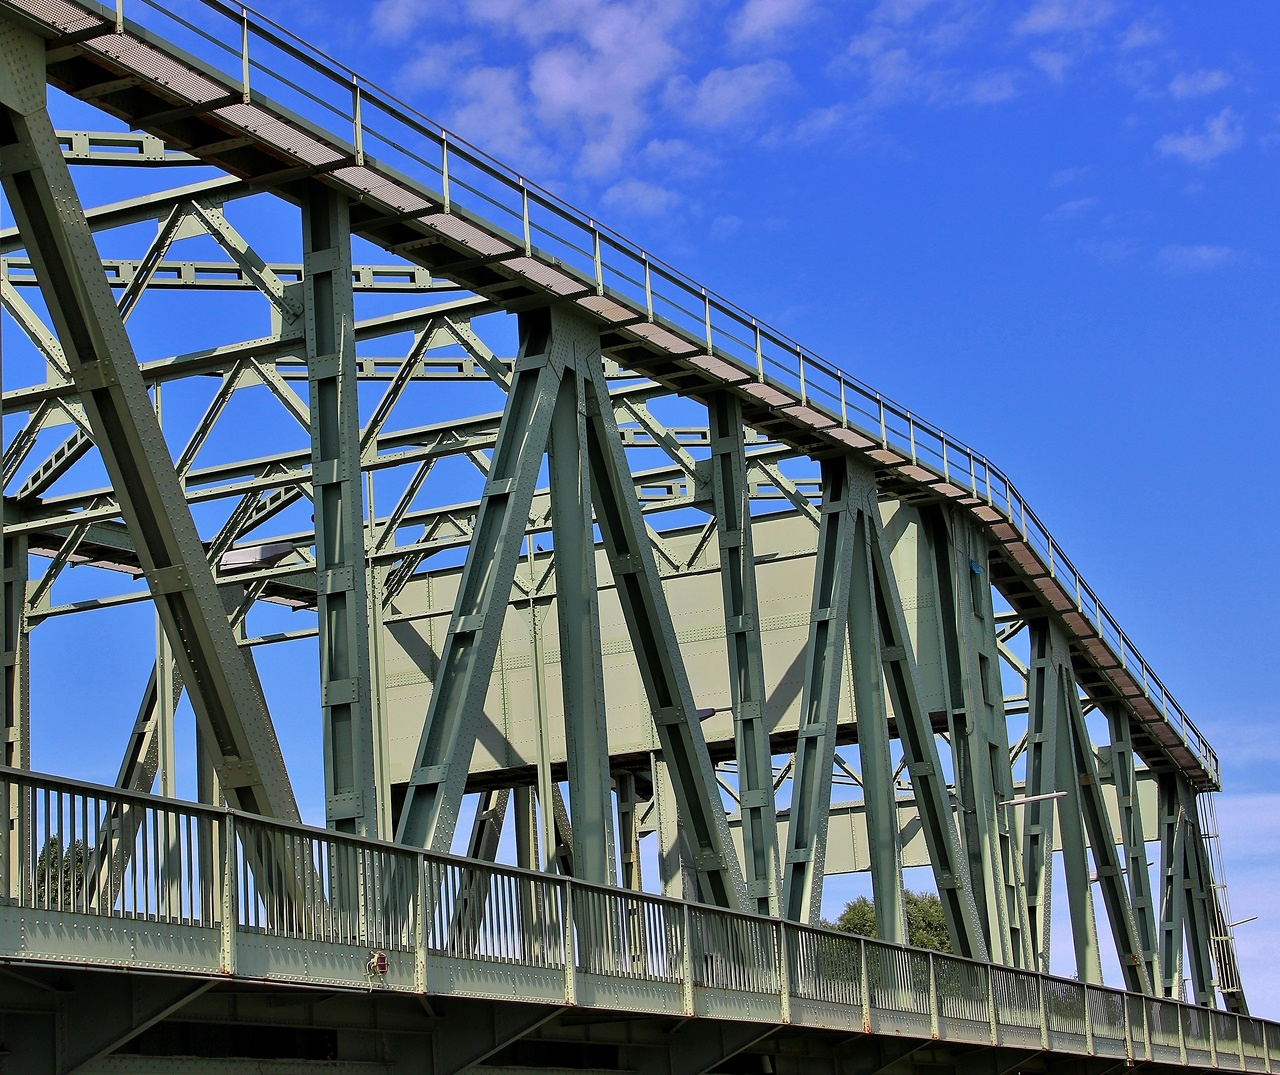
x=73 y=1020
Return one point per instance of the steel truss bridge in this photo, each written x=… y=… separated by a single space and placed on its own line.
x=608 y=603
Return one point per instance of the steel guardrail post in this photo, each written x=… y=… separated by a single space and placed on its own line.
x=1213 y=1038
x=570 y=958
x=784 y=973
x=1088 y=1021
x=230 y=915
x=866 y=985
x=933 y=997
x=420 y=926
x=1044 y=1014
x=1128 y=1031
x=686 y=959
x=992 y=1015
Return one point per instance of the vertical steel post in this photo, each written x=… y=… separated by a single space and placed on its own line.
x=1043 y=718
x=920 y=752
x=653 y=636
x=1199 y=912
x=1173 y=883
x=578 y=613
x=341 y=570
x=674 y=870
x=842 y=480
x=732 y=498
x=981 y=739
x=1135 y=848
x=15 y=658
x=1070 y=812
x=1106 y=858
x=879 y=791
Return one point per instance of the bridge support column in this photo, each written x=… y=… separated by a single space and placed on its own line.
x=1173 y=884
x=105 y=370
x=342 y=609
x=980 y=737
x=843 y=486
x=879 y=788
x=1052 y=780
x=920 y=751
x=732 y=497
x=578 y=618
x=557 y=349
x=1107 y=863
x=15 y=694
x=1124 y=778
x=1199 y=900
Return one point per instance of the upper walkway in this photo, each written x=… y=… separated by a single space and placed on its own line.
x=237 y=91
x=96 y=877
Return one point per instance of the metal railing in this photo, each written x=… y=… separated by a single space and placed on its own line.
x=289 y=93
x=207 y=891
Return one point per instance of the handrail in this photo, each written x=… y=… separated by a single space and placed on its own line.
x=210 y=889
x=471 y=185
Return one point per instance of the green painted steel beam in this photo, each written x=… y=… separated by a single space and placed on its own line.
x=731 y=494
x=105 y=371
x=843 y=481
x=342 y=606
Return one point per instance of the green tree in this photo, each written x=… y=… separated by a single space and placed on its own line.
x=926 y=924
x=60 y=874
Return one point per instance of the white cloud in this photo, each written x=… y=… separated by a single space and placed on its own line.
x=764 y=21
x=1063 y=176
x=577 y=84
x=438 y=64
x=733 y=94
x=1072 y=208
x=1194 y=258
x=491 y=112
x=899 y=11
x=1053 y=62
x=1198 y=83
x=676 y=156
x=640 y=198
x=995 y=87
x=1139 y=35
x=1064 y=16
x=892 y=74
x=393 y=20
x=1219 y=134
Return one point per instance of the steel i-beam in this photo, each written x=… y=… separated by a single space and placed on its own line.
x=981 y=740
x=578 y=619
x=341 y=572
x=842 y=481
x=106 y=374
x=920 y=749
x=732 y=495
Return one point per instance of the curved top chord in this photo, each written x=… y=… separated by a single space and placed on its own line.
x=234 y=89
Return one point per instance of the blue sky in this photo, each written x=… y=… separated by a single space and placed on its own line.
x=1049 y=227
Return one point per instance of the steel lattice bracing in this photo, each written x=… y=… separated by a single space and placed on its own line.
x=629 y=579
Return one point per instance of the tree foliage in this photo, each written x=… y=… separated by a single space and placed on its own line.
x=926 y=923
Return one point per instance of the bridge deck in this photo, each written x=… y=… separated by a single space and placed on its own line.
x=441 y=204
x=97 y=877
